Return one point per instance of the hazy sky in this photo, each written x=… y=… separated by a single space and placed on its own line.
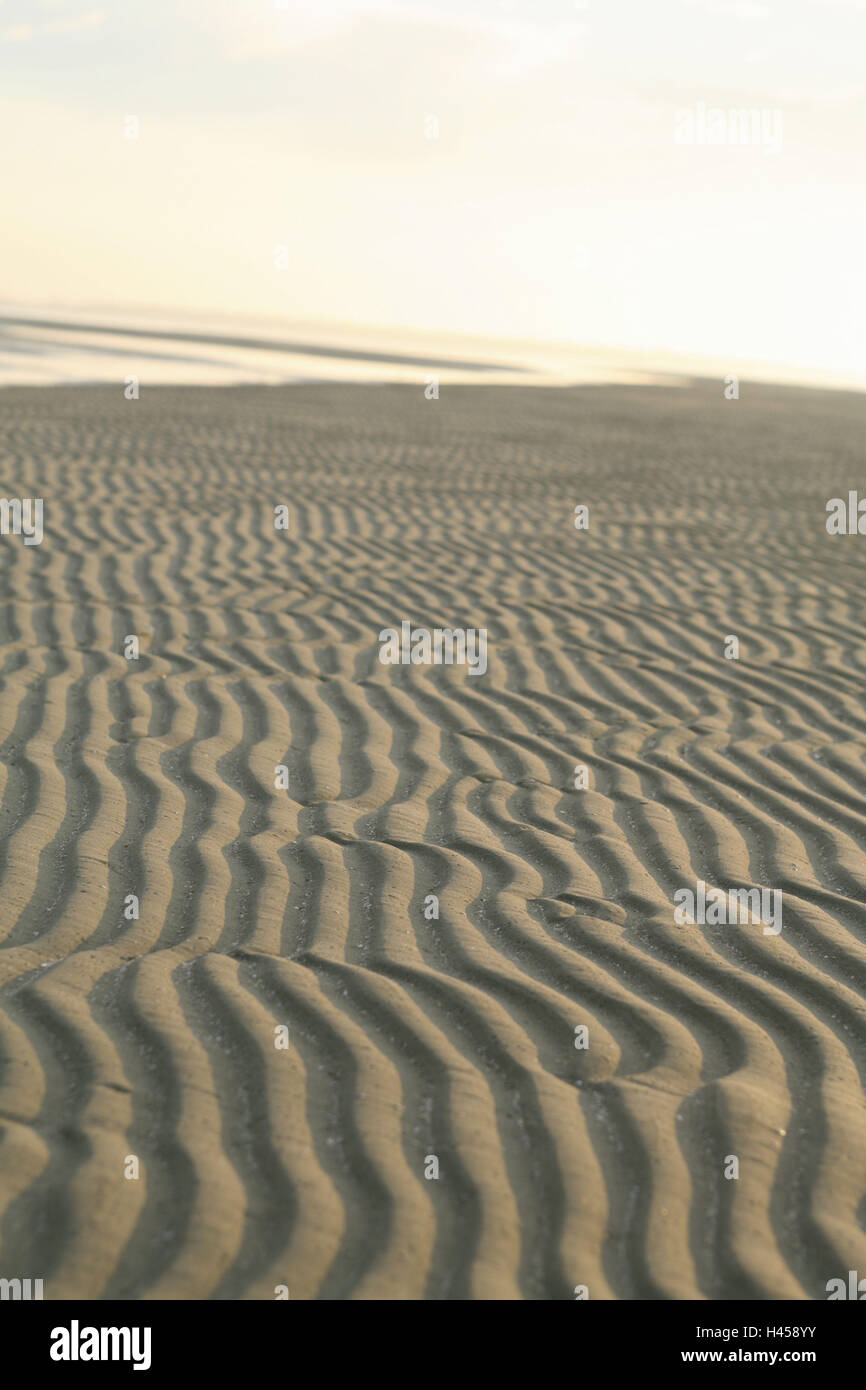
x=554 y=204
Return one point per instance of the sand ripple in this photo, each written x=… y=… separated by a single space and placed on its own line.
x=408 y=1038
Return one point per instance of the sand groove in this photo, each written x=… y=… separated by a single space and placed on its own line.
x=154 y=1035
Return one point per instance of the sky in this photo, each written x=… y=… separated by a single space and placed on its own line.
x=555 y=202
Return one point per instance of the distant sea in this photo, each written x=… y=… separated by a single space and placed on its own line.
x=57 y=346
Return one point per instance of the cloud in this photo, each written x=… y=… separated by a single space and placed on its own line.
x=736 y=9
x=508 y=46
x=20 y=33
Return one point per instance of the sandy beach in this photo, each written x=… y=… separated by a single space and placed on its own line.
x=320 y=1029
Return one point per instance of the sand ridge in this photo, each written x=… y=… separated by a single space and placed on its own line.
x=409 y=1037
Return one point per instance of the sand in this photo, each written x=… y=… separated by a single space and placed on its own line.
x=148 y=1042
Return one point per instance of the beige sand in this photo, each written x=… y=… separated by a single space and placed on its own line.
x=410 y=1037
